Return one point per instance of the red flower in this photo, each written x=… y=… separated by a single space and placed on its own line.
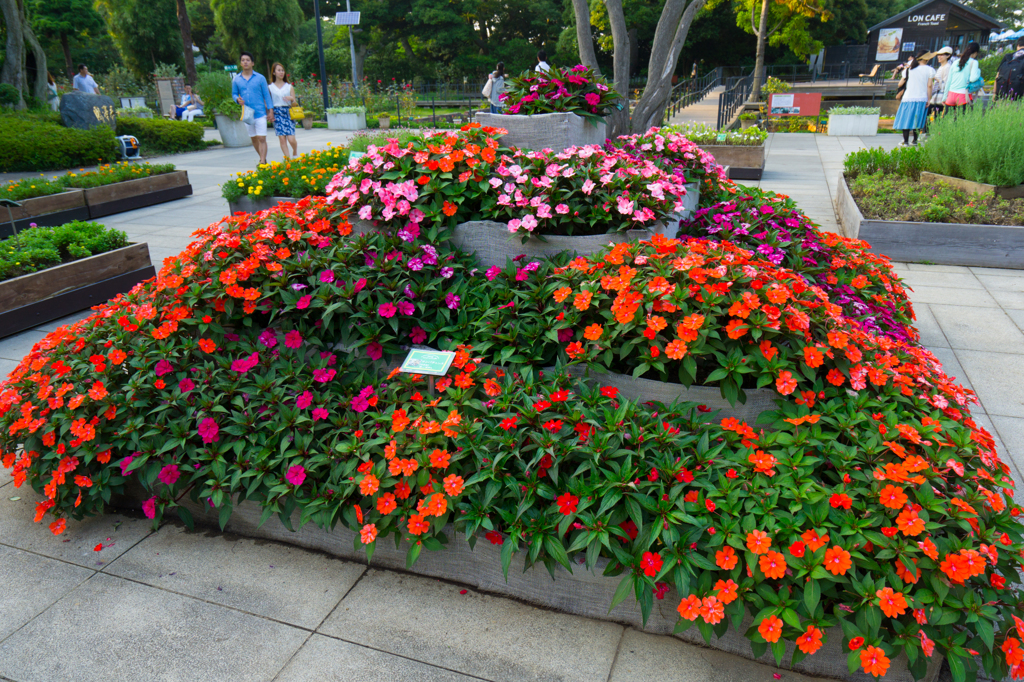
x=856 y=643
x=495 y=537
x=567 y=503
x=651 y=563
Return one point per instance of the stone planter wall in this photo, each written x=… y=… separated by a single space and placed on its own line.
x=985 y=246
x=346 y=121
x=546 y=131
x=232 y=133
x=860 y=125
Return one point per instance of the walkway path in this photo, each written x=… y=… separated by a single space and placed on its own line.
x=704 y=111
x=169 y=605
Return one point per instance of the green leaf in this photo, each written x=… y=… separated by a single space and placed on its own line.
x=779 y=650
x=556 y=551
x=622 y=591
x=956 y=666
x=812 y=593
x=984 y=627
x=507 y=551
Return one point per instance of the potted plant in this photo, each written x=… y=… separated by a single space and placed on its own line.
x=135 y=112
x=555 y=110
x=748 y=119
x=856 y=121
x=307 y=121
x=346 y=118
x=384 y=120
x=741 y=151
x=215 y=90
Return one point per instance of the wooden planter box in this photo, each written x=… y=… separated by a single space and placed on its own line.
x=54 y=209
x=40 y=297
x=975 y=187
x=133 y=194
x=744 y=162
x=985 y=246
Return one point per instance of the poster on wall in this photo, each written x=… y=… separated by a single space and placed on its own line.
x=909 y=47
x=889 y=40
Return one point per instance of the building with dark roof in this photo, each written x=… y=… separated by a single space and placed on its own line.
x=931 y=24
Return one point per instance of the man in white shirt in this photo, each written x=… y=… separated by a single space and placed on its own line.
x=84 y=81
x=542 y=63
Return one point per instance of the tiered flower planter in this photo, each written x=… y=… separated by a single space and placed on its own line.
x=350 y=121
x=40 y=297
x=556 y=131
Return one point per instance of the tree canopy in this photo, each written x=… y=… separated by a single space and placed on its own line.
x=269 y=29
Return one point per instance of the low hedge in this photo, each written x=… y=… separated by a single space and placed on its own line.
x=163 y=136
x=34 y=145
x=39 y=248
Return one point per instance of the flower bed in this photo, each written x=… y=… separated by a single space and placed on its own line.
x=19 y=190
x=741 y=151
x=577 y=90
x=40 y=248
x=305 y=175
x=870 y=500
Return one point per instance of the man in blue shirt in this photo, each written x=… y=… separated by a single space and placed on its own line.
x=250 y=88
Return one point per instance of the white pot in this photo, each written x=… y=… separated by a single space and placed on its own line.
x=356 y=121
x=858 y=125
x=232 y=133
x=557 y=131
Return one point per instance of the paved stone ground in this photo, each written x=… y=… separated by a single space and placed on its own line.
x=173 y=605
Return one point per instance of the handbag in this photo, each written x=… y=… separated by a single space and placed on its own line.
x=975 y=85
x=486 y=92
x=248 y=115
x=296 y=113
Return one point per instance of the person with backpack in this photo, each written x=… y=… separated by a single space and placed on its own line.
x=1010 y=76
x=964 y=78
x=912 y=114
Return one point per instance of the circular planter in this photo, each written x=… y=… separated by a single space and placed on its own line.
x=747 y=123
x=384 y=123
x=307 y=122
x=232 y=133
x=557 y=131
x=494 y=244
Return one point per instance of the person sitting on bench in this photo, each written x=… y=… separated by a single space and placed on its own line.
x=191 y=106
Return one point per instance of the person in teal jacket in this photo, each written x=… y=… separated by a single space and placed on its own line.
x=250 y=88
x=962 y=73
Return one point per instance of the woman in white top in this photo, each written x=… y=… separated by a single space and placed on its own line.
x=191 y=105
x=283 y=94
x=913 y=112
x=937 y=103
x=497 y=82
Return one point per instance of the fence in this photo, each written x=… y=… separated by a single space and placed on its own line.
x=692 y=90
x=795 y=73
x=736 y=93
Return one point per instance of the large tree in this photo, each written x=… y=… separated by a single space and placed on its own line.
x=22 y=51
x=669 y=35
x=269 y=29
x=185 y=27
x=146 y=32
x=62 y=20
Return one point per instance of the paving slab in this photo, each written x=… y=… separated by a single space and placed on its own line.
x=986 y=329
x=76 y=545
x=1002 y=282
x=18 y=346
x=1010 y=300
x=469 y=632
x=644 y=657
x=325 y=659
x=109 y=629
x=953 y=280
x=945 y=295
x=931 y=332
x=996 y=377
x=959 y=269
x=1010 y=431
x=276 y=581
x=951 y=365
x=31 y=584
x=6 y=367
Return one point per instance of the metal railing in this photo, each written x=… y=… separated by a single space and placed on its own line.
x=692 y=90
x=736 y=93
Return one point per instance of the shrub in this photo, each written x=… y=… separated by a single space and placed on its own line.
x=34 y=145
x=163 y=136
x=578 y=90
x=305 y=175
x=215 y=91
x=104 y=175
x=981 y=145
x=30 y=188
x=9 y=95
x=871 y=501
x=38 y=248
x=904 y=161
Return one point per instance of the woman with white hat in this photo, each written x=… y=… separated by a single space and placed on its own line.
x=937 y=102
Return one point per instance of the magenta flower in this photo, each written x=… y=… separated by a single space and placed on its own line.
x=593 y=99
x=418 y=335
x=375 y=350
x=324 y=375
x=186 y=385
x=387 y=310
x=149 y=508
x=293 y=339
x=268 y=338
x=304 y=400
x=209 y=431
x=452 y=301
x=163 y=367
x=319 y=413
x=415 y=264
x=243 y=365
x=492 y=272
x=296 y=475
x=169 y=474
x=406 y=308
x=359 y=285
x=125 y=463
x=303 y=302
x=327 y=276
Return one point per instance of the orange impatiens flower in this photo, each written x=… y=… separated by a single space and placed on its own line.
x=758 y=541
x=562 y=294
x=905 y=575
x=712 y=610
x=786 y=384
x=810 y=641
x=689 y=608
x=726 y=558
x=837 y=560
x=874 y=661
x=368 y=533
x=892 y=603
x=369 y=484
x=582 y=300
x=417 y=525
x=726 y=591
x=909 y=522
x=676 y=350
x=892 y=497
x=813 y=540
x=771 y=629
x=593 y=332
x=773 y=564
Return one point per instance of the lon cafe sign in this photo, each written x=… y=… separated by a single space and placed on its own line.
x=927 y=19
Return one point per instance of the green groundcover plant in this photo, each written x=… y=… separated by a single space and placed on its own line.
x=107 y=174
x=982 y=145
x=905 y=161
x=257 y=367
x=891 y=197
x=39 y=248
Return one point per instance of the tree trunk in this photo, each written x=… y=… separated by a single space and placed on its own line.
x=584 y=37
x=755 y=91
x=185 y=25
x=13 y=71
x=69 y=66
x=409 y=54
x=669 y=37
x=39 y=89
x=618 y=122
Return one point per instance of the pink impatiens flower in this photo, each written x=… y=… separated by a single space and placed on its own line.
x=296 y=475
x=163 y=367
x=303 y=302
x=418 y=335
x=149 y=508
x=375 y=350
x=209 y=431
x=304 y=400
x=169 y=474
x=186 y=385
x=387 y=310
x=243 y=365
x=319 y=413
x=293 y=339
